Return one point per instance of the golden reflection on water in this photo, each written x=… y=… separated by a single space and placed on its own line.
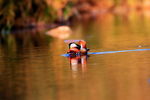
x=34 y=70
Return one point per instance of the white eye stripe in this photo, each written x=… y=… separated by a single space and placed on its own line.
x=73 y=45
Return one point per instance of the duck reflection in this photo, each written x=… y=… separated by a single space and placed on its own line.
x=78 y=62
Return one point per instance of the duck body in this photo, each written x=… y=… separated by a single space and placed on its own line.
x=73 y=51
x=78 y=49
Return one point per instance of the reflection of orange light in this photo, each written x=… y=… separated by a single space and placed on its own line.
x=61 y=32
x=78 y=60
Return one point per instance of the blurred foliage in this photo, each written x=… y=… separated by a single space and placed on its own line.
x=20 y=13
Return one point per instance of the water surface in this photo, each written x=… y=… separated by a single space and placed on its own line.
x=32 y=68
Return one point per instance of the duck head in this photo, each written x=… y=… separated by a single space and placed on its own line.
x=74 y=45
x=74 y=49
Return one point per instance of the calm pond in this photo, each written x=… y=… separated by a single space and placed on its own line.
x=32 y=68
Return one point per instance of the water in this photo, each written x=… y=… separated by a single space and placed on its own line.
x=32 y=68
